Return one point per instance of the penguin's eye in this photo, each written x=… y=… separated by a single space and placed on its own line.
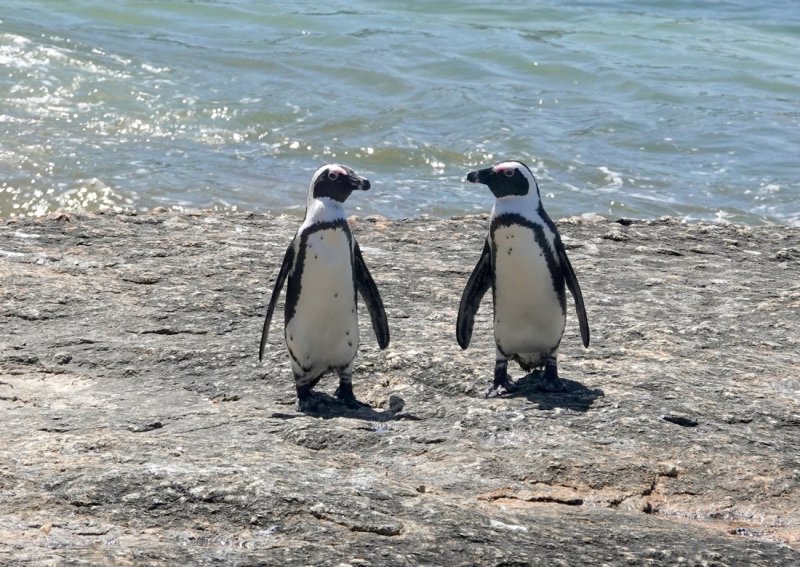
x=508 y=172
x=333 y=175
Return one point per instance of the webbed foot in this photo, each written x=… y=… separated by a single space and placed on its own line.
x=501 y=389
x=502 y=383
x=344 y=393
x=550 y=382
x=310 y=401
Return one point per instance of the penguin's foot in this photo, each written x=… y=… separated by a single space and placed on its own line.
x=345 y=395
x=310 y=401
x=499 y=388
x=550 y=382
x=502 y=383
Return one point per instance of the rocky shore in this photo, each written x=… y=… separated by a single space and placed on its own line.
x=140 y=429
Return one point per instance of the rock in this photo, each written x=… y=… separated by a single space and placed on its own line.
x=140 y=428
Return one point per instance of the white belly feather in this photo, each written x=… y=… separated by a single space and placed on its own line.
x=528 y=317
x=323 y=333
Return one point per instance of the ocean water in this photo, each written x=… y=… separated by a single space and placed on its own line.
x=636 y=109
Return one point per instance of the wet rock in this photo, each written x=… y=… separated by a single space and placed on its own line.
x=140 y=428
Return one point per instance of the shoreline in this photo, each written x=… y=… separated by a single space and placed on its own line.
x=298 y=211
x=140 y=428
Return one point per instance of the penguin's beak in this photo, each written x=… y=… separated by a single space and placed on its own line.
x=480 y=176
x=360 y=183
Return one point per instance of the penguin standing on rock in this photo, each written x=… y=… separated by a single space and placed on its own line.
x=525 y=264
x=324 y=271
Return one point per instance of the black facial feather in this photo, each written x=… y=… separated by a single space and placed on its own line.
x=505 y=182
x=334 y=185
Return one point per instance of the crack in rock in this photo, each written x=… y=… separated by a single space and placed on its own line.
x=384 y=528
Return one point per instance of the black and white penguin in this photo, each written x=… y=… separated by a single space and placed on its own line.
x=525 y=264
x=324 y=271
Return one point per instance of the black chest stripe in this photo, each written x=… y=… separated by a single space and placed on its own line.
x=556 y=275
x=295 y=283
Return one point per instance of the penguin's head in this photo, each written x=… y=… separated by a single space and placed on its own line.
x=336 y=182
x=506 y=179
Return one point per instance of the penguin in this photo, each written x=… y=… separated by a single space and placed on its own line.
x=525 y=264
x=324 y=270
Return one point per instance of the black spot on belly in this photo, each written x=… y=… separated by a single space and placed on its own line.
x=335 y=295
x=347 y=333
x=349 y=343
x=509 y=251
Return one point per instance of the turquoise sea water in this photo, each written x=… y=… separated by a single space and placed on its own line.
x=636 y=109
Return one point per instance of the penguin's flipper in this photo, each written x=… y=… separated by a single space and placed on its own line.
x=288 y=260
x=575 y=290
x=479 y=283
x=372 y=298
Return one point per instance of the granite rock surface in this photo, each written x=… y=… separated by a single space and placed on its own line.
x=139 y=427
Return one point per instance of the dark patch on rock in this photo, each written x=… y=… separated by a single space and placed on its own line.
x=145 y=427
x=681 y=420
x=141 y=278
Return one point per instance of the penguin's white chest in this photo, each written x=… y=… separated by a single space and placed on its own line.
x=528 y=317
x=323 y=333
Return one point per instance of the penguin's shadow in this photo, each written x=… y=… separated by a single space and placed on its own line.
x=329 y=407
x=575 y=396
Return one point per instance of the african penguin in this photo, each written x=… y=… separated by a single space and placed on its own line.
x=525 y=264
x=324 y=270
